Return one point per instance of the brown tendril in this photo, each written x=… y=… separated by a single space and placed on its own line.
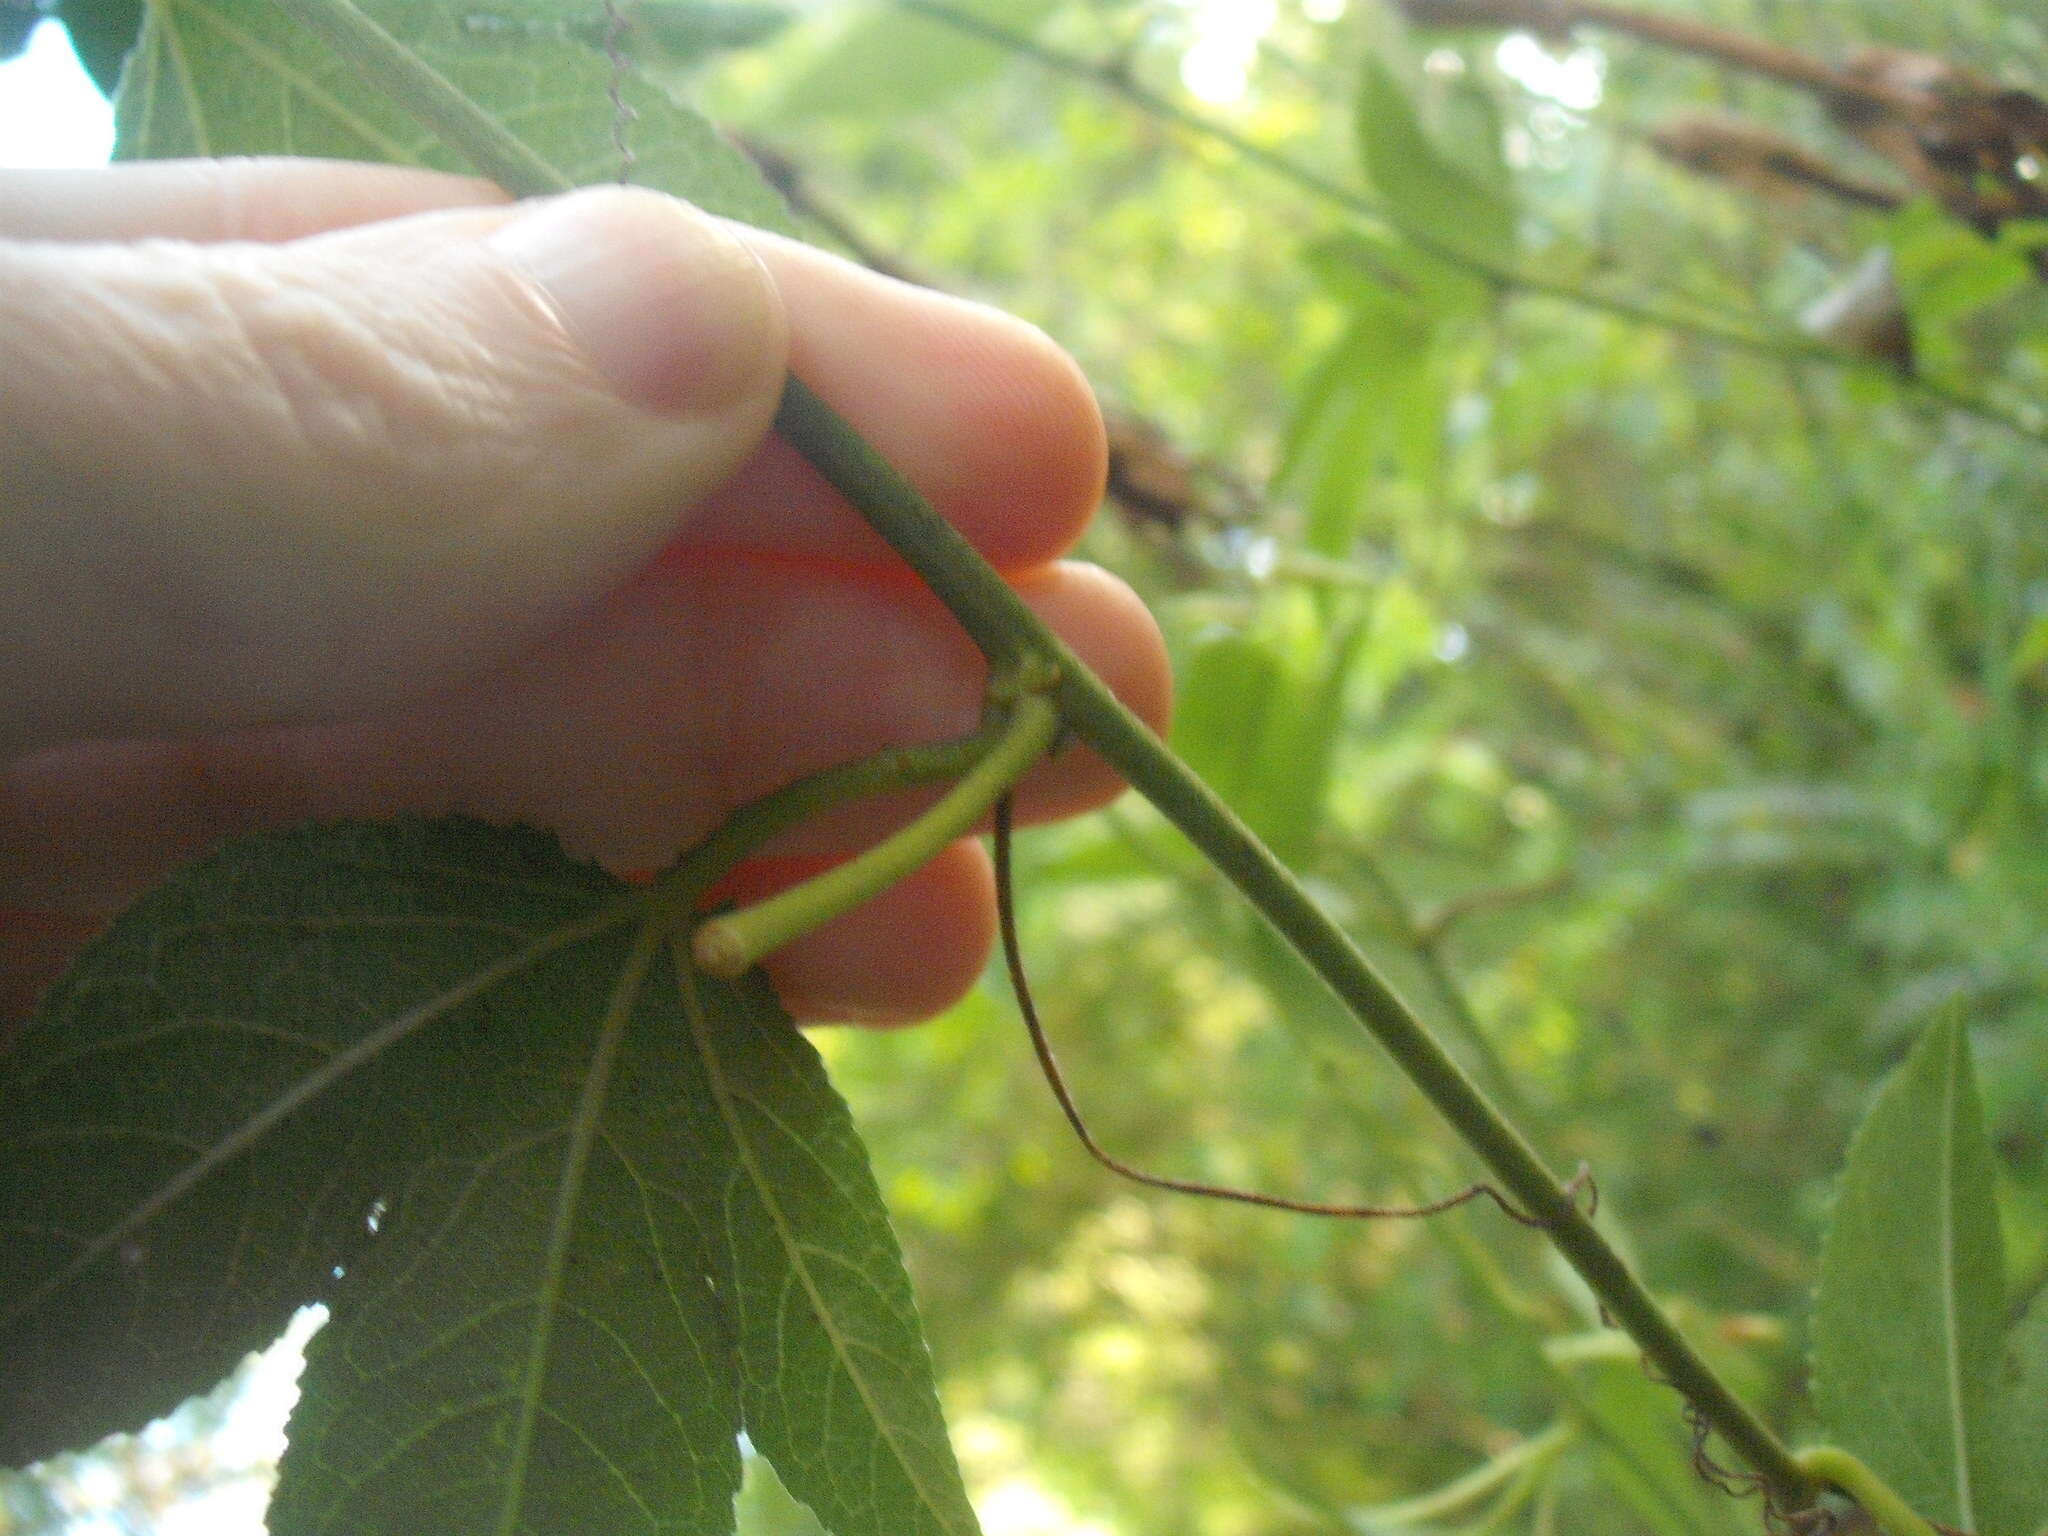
x=1049 y=1065
x=1736 y=1485
x=1731 y=1482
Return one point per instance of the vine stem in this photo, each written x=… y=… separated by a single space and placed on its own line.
x=1011 y=636
x=1003 y=626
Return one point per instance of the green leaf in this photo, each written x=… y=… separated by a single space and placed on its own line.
x=1907 y=1351
x=1375 y=415
x=533 y=1342
x=1259 y=714
x=102 y=32
x=893 y=62
x=1429 y=195
x=2031 y=653
x=578 y=1222
x=1497 y=1475
x=1369 y=421
x=187 y=1144
x=1365 y=269
x=685 y=31
x=1228 y=693
x=1474 y=132
x=15 y=26
x=1945 y=269
x=216 y=77
x=675 y=34
x=833 y=1373
x=2019 y=1501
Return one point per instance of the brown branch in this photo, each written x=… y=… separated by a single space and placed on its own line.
x=1760 y=159
x=786 y=177
x=1155 y=483
x=1558 y=18
x=1958 y=137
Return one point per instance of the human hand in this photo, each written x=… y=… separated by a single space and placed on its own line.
x=343 y=491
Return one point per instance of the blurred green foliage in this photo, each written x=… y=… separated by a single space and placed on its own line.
x=1722 y=668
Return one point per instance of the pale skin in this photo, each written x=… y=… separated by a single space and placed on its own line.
x=317 y=500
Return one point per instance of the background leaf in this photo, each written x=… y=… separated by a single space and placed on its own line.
x=16 y=22
x=2019 y=1481
x=883 y=61
x=1427 y=191
x=1632 y=1425
x=1907 y=1352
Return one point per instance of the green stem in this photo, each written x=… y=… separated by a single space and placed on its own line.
x=730 y=945
x=1461 y=1493
x=1427 y=947
x=1831 y=1464
x=1721 y=332
x=750 y=828
x=1009 y=633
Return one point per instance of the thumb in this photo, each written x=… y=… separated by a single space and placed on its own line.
x=254 y=483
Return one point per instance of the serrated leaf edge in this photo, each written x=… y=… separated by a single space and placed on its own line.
x=764 y=1188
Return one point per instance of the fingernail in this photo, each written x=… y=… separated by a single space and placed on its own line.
x=670 y=307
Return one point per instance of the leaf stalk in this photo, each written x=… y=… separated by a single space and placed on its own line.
x=733 y=943
x=1832 y=1464
x=754 y=825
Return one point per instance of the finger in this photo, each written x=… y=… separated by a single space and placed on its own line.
x=990 y=419
x=264 y=199
x=985 y=415
x=686 y=696
x=252 y=483
x=699 y=690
